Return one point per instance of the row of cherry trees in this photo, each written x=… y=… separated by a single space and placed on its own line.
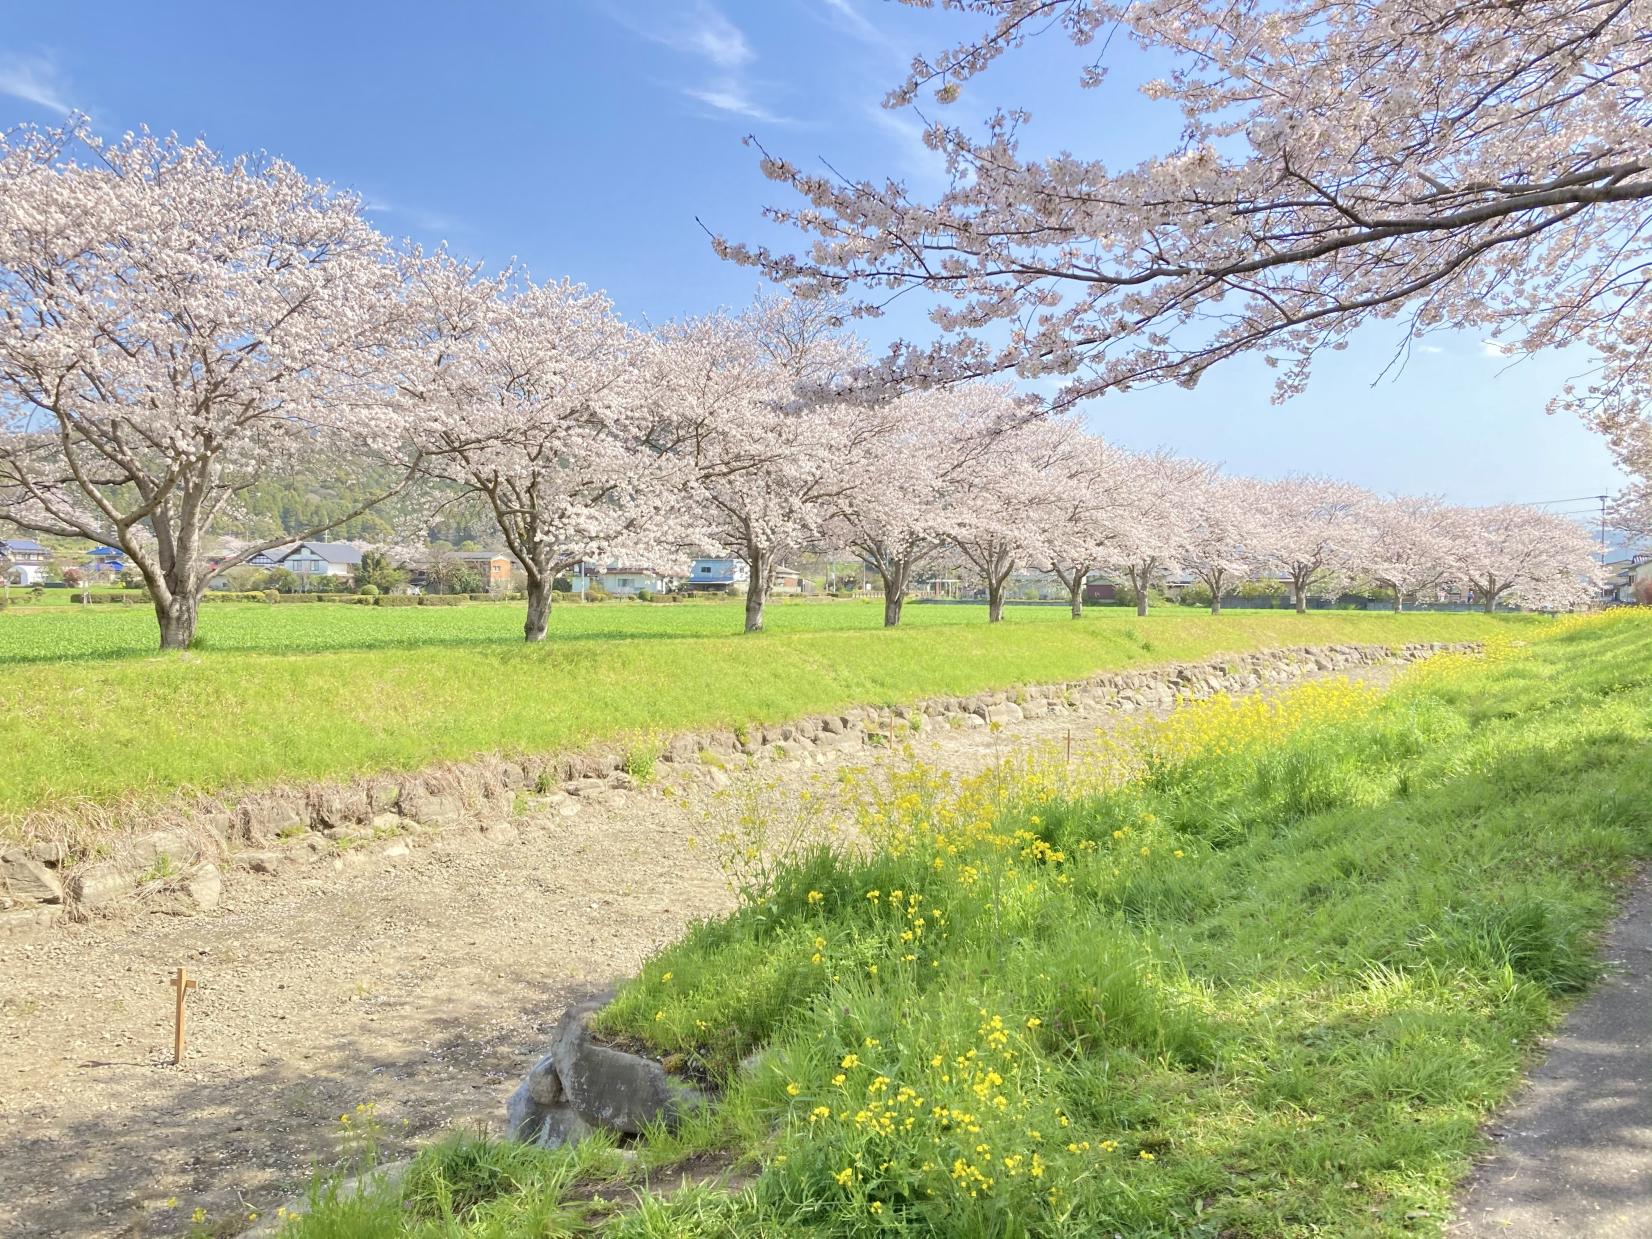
x=179 y=328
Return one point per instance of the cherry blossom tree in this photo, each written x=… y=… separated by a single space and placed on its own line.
x=1523 y=555
x=892 y=512
x=1475 y=165
x=1223 y=530
x=531 y=400
x=1412 y=545
x=1084 y=513
x=998 y=504
x=755 y=405
x=177 y=328
x=1152 y=542
x=1312 y=530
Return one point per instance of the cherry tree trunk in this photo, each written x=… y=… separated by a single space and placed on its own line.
x=177 y=620
x=756 y=595
x=1075 y=596
x=995 y=603
x=1491 y=604
x=1215 y=603
x=1301 y=592
x=1399 y=601
x=539 y=608
x=892 y=603
x=1141 y=602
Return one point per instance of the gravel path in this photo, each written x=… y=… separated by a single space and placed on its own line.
x=1574 y=1152
x=423 y=984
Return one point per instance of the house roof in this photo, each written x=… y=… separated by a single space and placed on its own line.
x=481 y=556
x=274 y=554
x=20 y=544
x=332 y=552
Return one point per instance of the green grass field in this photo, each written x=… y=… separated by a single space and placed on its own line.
x=1257 y=971
x=286 y=693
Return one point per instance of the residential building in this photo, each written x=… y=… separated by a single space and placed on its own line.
x=272 y=558
x=625 y=582
x=23 y=561
x=494 y=567
x=1627 y=579
x=718 y=576
x=313 y=559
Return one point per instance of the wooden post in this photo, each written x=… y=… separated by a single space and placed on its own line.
x=183 y=983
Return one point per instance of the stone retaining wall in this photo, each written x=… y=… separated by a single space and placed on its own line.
x=173 y=860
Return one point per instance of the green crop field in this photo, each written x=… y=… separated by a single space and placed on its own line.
x=1260 y=970
x=89 y=713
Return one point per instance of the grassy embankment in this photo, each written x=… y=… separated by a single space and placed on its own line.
x=1254 y=972
x=279 y=694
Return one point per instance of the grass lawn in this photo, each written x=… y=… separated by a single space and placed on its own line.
x=281 y=693
x=1256 y=971
x=285 y=693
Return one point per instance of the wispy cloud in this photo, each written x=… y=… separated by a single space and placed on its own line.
x=715 y=37
x=848 y=18
x=35 y=79
x=703 y=32
x=1491 y=348
x=728 y=95
x=426 y=221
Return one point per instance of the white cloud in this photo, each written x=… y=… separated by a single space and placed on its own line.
x=37 y=80
x=717 y=38
x=1491 y=348
x=1429 y=348
x=703 y=32
x=427 y=221
x=728 y=95
x=849 y=18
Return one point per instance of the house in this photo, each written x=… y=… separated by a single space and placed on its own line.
x=272 y=558
x=494 y=567
x=787 y=581
x=313 y=559
x=105 y=563
x=625 y=582
x=717 y=576
x=1637 y=585
x=1100 y=591
x=23 y=561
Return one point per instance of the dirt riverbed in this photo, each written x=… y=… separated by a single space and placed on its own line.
x=423 y=985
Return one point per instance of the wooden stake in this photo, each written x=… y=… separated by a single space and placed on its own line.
x=183 y=983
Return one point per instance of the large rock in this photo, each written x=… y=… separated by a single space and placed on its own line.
x=99 y=885
x=1004 y=712
x=550 y=1126
x=28 y=880
x=204 y=888
x=171 y=847
x=264 y=819
x=342 y=806
x=625 y=1092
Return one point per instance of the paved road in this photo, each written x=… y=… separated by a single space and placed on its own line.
x=1574 y=1152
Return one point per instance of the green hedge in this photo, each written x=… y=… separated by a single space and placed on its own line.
x=441 y=600
x=396 y=600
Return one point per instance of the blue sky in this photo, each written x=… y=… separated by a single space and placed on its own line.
x=586 y=139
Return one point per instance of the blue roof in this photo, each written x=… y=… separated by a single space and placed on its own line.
x=21 y=544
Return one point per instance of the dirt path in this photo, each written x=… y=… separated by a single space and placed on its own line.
x=1574 y=1152
x=423 y=985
